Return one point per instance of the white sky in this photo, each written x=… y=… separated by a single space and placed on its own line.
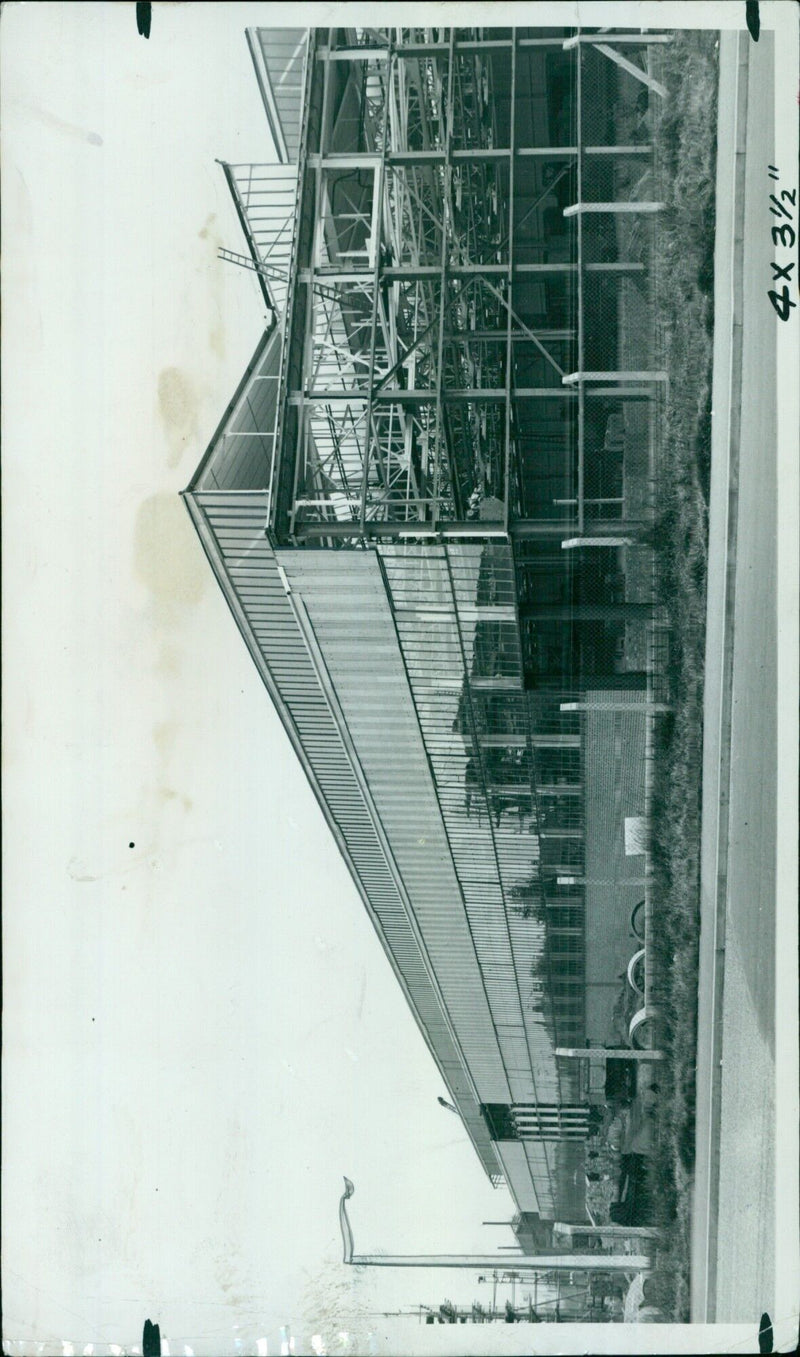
x=207 y=1030
x=202 y=1034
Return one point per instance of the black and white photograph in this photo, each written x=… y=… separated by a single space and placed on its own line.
x=401 y=433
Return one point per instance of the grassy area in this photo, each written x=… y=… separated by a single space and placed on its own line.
x=685 y=139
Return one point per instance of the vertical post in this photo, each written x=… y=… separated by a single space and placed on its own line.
x=571 y=1231
x=578 y=209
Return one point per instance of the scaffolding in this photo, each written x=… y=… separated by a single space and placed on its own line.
x=461 y=257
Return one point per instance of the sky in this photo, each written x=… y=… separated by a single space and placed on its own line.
x=202 y=1034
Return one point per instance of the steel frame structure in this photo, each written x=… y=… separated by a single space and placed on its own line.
x=417 y=383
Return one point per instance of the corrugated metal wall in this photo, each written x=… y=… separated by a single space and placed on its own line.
x=349 y=611
x=447 y=656
x=243 y=447
x=231 y=527
x=282 y=53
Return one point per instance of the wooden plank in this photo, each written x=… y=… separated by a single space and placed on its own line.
x=632 y=69
x=580 y=209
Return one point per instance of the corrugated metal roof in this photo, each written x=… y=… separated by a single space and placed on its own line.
x=279 y=56
x=240 y=454
x=266 y=197
x=232 y=528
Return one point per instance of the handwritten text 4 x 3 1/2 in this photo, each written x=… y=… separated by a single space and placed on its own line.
x=783 y=236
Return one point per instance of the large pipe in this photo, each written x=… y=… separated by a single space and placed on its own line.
x=563 y=1261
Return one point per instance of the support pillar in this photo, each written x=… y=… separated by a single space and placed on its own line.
x=575 y=378
x=580 y=209
x=571 y=542
x=651 y=708
x=585 y=612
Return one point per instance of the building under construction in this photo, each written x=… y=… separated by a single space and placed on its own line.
x=428 y=507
